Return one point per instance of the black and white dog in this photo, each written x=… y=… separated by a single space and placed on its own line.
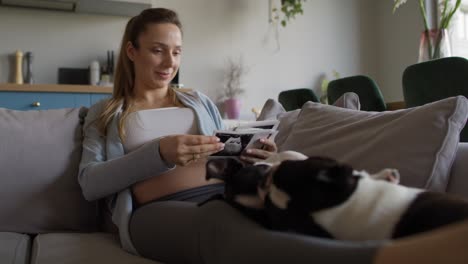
x=322 y=197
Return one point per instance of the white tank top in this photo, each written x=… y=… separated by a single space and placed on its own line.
x=145 y=125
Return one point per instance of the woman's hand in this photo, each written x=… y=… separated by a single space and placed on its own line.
x=184 y=149
x=254 y=155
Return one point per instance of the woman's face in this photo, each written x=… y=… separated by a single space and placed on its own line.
x=157 y=59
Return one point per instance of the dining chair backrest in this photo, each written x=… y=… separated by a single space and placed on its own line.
x=295 y=98
x=370 y=97
x=435 y=80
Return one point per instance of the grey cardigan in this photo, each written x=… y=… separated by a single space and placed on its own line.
x=105 y=172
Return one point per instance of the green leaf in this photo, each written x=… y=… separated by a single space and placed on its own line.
x=290 y=9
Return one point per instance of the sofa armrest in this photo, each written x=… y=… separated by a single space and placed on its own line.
x=458 y=182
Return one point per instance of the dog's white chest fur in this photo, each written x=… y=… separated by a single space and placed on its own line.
x=371 y=212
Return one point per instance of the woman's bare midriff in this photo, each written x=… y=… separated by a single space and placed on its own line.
x=176 y=180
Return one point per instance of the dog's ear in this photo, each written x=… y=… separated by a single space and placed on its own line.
x=263 y=169
x=222 y=168
x=324 y=177
x=345 y=174
x=339 y=174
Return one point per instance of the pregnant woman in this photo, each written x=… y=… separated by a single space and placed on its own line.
x=146 y=147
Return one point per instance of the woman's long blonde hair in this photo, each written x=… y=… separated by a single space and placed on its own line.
x=125 y=72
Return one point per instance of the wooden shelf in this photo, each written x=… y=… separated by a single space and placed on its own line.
x=57 y=88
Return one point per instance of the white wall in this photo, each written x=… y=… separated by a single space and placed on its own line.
x=398 y=35
x=331 y=35
x=341 y=35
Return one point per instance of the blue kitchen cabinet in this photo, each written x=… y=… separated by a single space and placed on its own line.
x=96 y=97
x=47 y=100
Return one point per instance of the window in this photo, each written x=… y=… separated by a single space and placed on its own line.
x=459 y=31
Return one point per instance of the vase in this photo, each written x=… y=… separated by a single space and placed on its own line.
x=434 y=44
x=232 y=107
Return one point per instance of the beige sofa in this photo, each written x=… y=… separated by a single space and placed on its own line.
x=45 y=219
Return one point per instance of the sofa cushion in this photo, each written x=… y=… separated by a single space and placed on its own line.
x=421 y=142
x=273 y=109
x=14 y=248
x=287 y=120
x=81 y=248
x=458 y=174
x=270 y=110
x=39 y=190
x=348 y=100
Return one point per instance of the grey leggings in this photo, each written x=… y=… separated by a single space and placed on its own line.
x=183 y=232
x=195 y=195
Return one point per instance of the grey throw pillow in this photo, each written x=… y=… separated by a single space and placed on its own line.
x=270 y=110
x=421 y=142
x=273 y=109
x=39 y=156
x=348 y=100
x=287 y=120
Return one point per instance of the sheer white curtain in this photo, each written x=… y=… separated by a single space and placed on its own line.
x=459 y=31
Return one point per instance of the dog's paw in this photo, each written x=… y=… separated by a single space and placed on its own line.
x=390 y=175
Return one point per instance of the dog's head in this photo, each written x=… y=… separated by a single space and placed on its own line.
x=247 y=184
x=290 y=179
x=310 y=185
x=241 y=180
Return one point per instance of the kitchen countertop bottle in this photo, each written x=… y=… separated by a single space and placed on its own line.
x=19 y=67
x=94 y=73
x=28 y=78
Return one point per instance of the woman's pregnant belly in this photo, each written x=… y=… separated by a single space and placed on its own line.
x=179 y=179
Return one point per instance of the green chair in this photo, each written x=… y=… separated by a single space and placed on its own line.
x=295 y=98
x=370 y=97
x=435 y=80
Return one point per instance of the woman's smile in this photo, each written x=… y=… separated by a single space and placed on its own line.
x=164 y=75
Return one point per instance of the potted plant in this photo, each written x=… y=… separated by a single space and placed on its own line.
x=289 y=8
x=233 y=81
